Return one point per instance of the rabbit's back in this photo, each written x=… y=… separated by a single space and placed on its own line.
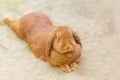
x=33 y=21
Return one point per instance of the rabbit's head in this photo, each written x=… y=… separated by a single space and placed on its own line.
x=62 y=40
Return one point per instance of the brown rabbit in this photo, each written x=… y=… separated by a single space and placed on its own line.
x=58 y=45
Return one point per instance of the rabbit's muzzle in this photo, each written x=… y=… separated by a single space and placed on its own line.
x=64 y=48
x=69 y=48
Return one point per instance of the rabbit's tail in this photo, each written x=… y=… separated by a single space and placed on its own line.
x=11 y=22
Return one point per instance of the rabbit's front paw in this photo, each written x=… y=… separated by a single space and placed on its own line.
x=65 y=68
x=74 y=66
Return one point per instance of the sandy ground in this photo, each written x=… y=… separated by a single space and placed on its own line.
x=97 y=23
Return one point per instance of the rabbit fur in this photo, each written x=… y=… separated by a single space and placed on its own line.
x=59 y=45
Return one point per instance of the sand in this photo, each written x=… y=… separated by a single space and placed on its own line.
x=96 y=22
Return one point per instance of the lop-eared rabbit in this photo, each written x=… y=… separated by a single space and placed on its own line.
x=58 y=45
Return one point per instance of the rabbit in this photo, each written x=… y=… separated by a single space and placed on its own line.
x=58 y=45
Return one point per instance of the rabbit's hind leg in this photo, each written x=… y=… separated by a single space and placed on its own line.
x=10 y=21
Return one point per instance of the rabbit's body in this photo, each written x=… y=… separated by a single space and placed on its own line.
x=41 y=35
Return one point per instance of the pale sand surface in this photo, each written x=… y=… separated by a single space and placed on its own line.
x=96 y=21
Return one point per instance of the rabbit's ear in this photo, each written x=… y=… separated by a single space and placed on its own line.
x=77 y=38
x=49 y=44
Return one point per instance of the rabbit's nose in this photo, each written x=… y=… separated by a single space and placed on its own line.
x=70 y=48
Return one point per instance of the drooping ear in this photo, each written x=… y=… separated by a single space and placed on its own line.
x=77 y=38
x=50 y=43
